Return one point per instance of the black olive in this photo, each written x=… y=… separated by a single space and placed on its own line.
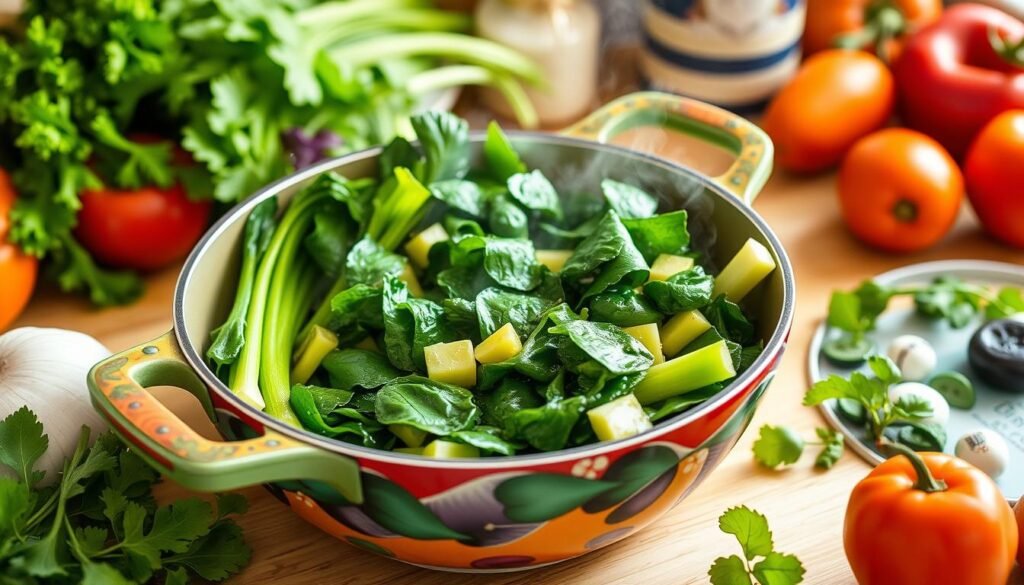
x=996 y=353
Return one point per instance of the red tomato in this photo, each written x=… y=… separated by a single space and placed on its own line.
x=141 y=229
x=17 y=270
x=899 y=190
x=994 y=170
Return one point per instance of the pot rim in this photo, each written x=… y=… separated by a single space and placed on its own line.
x=760 y=367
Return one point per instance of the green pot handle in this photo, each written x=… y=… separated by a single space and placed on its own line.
x=118 y=385
x=753 y=148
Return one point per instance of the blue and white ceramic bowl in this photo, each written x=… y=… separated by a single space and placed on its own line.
x=733 y=53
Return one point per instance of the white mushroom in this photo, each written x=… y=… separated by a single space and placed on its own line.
x=986 y=450
x=914 y=356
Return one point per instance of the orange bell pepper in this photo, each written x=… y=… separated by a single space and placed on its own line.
x=929 y=519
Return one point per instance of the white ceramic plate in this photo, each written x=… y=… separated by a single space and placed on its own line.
x=995 y=409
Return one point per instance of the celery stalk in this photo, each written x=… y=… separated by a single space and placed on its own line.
x=334 y=13
x=446 y=45
x=460 y=75
x=697 y=369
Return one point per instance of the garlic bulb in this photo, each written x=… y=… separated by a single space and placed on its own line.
x=45 y=369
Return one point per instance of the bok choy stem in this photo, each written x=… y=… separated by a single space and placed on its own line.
x=460 y=75
x=244 y=379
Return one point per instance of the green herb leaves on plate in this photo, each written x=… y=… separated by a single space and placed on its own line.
x=99 y=522
x=760 y=560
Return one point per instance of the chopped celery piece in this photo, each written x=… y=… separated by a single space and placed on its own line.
x=411 y=436
x=680 y=330
x=409 y=450
x=448 y=450
x=649 y=336
x=499 y=346
x=619 y=419
x=451 y=363
x=747 y=268
x=697 y=369
x=418 y=248
x=411 y=282
x=667 y=265
x=553 y=259
x=317 y=344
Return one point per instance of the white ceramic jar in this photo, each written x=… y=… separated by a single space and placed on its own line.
x=563 y=37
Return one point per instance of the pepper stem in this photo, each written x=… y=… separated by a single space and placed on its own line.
x=926 y=482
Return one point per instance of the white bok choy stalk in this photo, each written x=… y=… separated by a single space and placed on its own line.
x=45 y=369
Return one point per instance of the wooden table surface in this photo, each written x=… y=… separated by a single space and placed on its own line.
x=804 y=506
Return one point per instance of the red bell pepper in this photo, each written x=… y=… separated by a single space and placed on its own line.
x=951 y=78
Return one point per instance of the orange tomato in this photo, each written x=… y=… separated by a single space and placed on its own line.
x=866 y=22
x=930 y=520
x=994 y=175
x=899 y=190
x=835 y=99
x=1020 y=531
x=17 y=270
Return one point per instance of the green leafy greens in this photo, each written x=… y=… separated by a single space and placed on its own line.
x=100 y=523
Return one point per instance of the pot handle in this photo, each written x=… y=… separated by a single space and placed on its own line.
x=118 y=385
x=753 y=148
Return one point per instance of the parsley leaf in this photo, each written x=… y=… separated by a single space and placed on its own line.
x=729 y=570
x=750 y=529
x=830 y=388
x=752 y=532
x=832 y=447
x=779 y=569
x=777 y=446
x=22 y=443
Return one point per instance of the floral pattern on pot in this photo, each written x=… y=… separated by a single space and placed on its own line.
x=502 y=521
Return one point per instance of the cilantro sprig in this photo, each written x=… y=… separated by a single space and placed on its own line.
x=755 y=538
x=871 y=393
x=99 y=524
x=780 y=445
x=947 y=298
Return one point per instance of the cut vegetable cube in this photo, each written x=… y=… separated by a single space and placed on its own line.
x=499 y=346
x=409 y=450
x=553 y=259
x=318 y=343
x=707 y=365
x=619 y=419
x=411 y=436
x=448 y=450
x=411 y=282
x=667 y=265
x=649 y=336
x=418 y=248
x=680 y=330
x=451 y=363
x=747 y=268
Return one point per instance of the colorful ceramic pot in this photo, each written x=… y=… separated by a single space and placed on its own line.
x=487 y=514
x=733 y=53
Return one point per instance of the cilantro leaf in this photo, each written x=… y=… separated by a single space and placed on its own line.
x=729 y=571
x=830 y=388
x=832 y=447
x=777 y=446
x=751 y=530
x=177 y=576
x=911 y=407
x=948 y=298
x=173 y=529
x=102 y=574
x=779 y=569
x=844 y=312
x=231 y=503
x=218 y=554
x=885 y=369
x=14 y=506
x=22 y=443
